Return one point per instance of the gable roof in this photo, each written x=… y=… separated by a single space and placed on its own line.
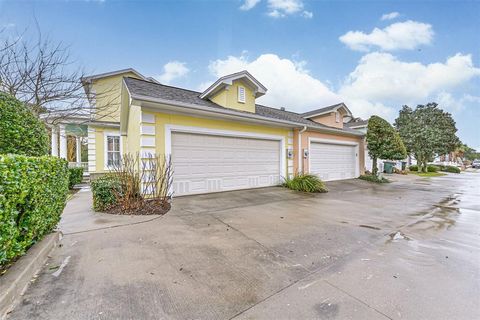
x=114 y=73
x=163 y=94
x=325 y=110
x=227 y=80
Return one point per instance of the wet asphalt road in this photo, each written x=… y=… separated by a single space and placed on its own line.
x=405 y=250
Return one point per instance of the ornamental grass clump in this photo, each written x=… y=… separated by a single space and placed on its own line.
x=306 y=183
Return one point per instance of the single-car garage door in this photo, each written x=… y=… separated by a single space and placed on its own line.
x=332 y=161
x=209 y=163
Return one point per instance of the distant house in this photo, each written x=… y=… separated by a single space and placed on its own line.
x=219 y=139
x=362 y=125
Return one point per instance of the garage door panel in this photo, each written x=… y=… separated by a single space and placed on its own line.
x=333 y=161
x=207 y=163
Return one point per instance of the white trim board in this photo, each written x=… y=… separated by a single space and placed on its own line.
x=105 y=156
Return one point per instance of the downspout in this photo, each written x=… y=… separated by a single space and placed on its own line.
x=300 y=155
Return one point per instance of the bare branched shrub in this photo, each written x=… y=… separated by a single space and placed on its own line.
x=145 y=182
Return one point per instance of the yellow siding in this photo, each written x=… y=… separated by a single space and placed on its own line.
x=133 y=138
x=100 y=150
x=228 y=98
x=162 y=119
x=100 y=133
x=108 y=96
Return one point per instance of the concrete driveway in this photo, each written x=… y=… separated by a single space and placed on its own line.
x=405 y=250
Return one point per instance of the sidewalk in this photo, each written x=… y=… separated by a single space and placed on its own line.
x=79 y=216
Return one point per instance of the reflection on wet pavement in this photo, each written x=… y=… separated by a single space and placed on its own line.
x=451 y=225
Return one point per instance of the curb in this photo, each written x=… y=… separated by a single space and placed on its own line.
x=16 y=280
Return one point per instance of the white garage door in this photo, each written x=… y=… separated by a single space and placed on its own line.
x=208 y=163
x=333 y=161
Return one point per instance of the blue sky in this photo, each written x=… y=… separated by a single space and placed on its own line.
x=307 y=53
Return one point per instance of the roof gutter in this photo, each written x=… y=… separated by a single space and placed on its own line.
x=140 y=99
x=340 y=132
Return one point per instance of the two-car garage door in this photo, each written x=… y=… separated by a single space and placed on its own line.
x=332 y=161
x=205 y=163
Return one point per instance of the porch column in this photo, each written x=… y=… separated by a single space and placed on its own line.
x=63 y=142
x=78 y=149
x=54 y=141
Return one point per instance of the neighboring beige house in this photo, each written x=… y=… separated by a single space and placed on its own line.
x=219 y=139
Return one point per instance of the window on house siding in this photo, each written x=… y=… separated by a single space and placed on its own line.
x=337 y=116
x=113 y=151
x=241 y=94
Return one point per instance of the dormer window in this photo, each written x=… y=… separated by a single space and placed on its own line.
x=241 y=94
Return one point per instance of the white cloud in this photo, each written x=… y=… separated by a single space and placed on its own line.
x=400 y=35
x=280 y=8
x=289 y=84
x=7 y=26
x=380 y=84
x=172 y=71
x=381 y=79
x=390 y=16
x=249 y=4
x=307 y=14
x=283 y=8
x=454 y=105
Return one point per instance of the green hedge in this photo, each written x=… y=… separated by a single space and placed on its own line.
x=105 y=191
x=432 y=168
x=413 y=167
x=452 y=169
x=75 y=176
x=20 y=130
x=33 y=192
x=372 y=178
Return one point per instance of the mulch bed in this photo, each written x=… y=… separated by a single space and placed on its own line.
x=146 y=207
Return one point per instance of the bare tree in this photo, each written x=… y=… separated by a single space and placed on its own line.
x=42 y=74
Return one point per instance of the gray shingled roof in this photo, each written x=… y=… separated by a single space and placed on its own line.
x=358 y=123
x=322 y=110
x=144 y=88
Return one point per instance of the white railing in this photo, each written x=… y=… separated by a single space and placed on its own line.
x=83 y=165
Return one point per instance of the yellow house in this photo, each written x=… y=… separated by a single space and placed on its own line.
x=219 y=139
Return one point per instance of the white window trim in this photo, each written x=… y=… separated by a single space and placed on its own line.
x=105 y=147
x=229 y=133
x=337 y=116
x=339 y=142
x=239 y=95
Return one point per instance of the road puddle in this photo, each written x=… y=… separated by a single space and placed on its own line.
x=369 y=227
x=397 y=236
x=447 y=230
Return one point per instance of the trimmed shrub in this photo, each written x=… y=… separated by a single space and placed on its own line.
x=432 y=168
x=413 y=167
x=306 y=183
x=75 y=176
x=373 y=178
x=452 y=169
x=106 y=191
x=20 y=131
x=33 y=192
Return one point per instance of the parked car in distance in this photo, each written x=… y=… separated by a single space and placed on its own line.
x=476 y=163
